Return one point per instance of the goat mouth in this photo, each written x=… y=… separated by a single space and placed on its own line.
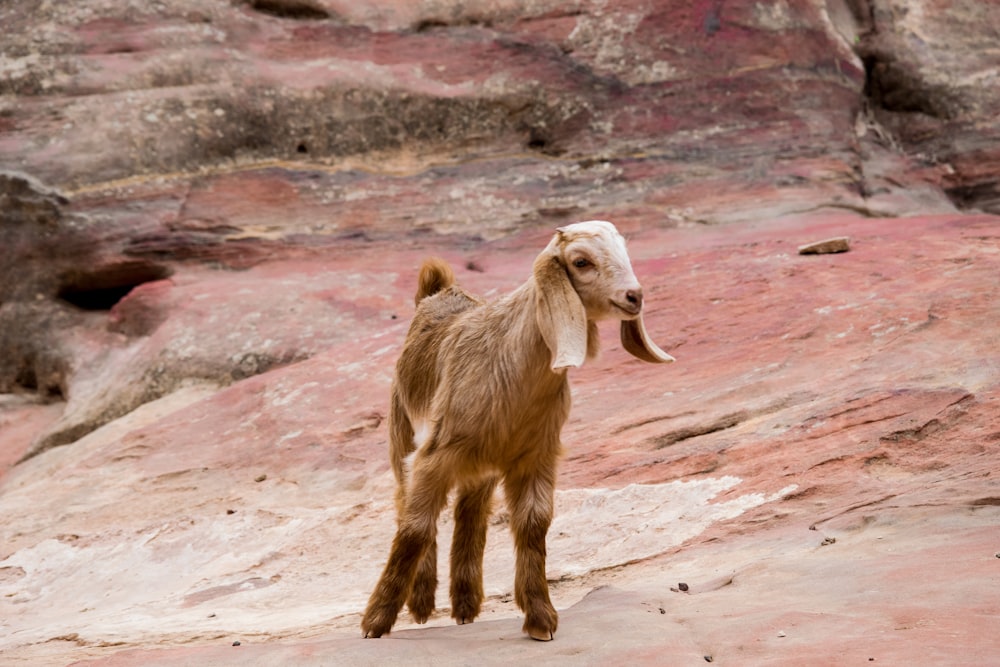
x=632 y=310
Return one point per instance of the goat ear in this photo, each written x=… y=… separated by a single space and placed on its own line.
x=561 y=317
x=638 y=343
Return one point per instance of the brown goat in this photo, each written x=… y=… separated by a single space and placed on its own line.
x=481 y=394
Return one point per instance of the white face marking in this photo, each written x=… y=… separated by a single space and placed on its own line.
x=596 y=227
x=611 y=241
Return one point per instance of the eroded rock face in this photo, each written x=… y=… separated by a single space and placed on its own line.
x=211 y=218
x=770 y=94
x=934 y=102
x=149 y=138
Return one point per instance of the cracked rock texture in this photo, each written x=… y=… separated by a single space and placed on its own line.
x=211 y=217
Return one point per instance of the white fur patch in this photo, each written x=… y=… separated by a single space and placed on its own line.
x=421 y=432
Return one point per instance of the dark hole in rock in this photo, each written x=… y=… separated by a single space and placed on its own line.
x=290 y=9
x=301 y=148
x=892 y=86
x=103 y=287
x=537 y=141
x=27 y=379
x=982 y=196
x=430 y=24
x=427 y=24
x=543 y=141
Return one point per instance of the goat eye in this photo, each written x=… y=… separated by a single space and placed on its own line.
x=581 y=263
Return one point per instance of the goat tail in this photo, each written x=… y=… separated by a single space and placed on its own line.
x=435 y=275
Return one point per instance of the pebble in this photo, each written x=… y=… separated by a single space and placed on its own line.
x=683 y=587
x=825 y=247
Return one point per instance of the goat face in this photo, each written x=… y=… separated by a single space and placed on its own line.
x=600 y=271
x=585 y=275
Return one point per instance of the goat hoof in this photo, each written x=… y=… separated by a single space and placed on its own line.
x=373 y=630
x=463 y=621
x=541 y=625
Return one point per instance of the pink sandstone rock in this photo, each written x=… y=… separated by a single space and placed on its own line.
x=848 y=396
x=211 y=218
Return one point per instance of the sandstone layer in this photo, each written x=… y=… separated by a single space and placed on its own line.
x=211 y=216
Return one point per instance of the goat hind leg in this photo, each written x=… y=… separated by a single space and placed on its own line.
x=416 y=535
x=421 y=598
x=472 y=513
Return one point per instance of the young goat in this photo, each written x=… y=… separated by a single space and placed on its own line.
x=481 y=394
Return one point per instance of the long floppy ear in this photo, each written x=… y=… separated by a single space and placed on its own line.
x=561 y=317
x=638 y=343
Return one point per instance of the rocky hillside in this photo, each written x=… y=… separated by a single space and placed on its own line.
x=211 y=215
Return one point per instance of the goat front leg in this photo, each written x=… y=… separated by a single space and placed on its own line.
x=472 y=513
x=415 y=536
x=530 y=499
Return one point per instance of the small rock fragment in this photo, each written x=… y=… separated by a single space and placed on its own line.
x=781 y=633
x=828 y=541
x=838 y=244
x=683 y=587
x=260 y=478
x=236 y=643
x=708 y=658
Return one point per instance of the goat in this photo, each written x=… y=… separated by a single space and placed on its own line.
x=480 y=393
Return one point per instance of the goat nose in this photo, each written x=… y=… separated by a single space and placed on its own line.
x=634 y=297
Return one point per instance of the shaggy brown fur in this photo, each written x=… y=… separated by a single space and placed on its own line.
x=480 y=395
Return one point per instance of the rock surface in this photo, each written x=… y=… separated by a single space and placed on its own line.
x=850 y=396
x=211 y=218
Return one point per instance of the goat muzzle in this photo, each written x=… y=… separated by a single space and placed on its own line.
x=631 y=303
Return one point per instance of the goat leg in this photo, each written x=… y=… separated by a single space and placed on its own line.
x=472 y=513
x=417 y=533
x=387 y=599
x=421 y=598
x=530 y=500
